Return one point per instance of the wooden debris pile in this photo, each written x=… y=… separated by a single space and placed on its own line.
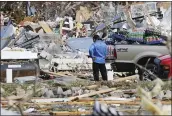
x=64 y=99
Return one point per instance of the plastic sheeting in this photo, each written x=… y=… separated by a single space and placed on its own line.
x=166 y=22
x=6 y=34
x=26 y=36
x=81 y=44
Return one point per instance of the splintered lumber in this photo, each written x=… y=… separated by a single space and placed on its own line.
x=90 y=103
x=45 y=26
x=12 y=98
x=126 y=78
x=91 y=94
x=92 y=86
x=56 y=74
x=58 y=113
x=48 y=100
x=103 y=99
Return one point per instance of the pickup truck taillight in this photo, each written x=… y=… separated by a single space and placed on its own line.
x=115 y=54
x=111 y=52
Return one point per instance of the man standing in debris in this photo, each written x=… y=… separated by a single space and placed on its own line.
x=98 y=52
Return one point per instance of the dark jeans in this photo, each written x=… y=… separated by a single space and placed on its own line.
x=102 y=68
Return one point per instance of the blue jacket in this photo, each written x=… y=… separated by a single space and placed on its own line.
x=98 y=51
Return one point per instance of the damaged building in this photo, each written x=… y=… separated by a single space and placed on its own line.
x=45 y=59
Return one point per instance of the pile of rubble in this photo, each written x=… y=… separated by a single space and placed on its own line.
x=64 y=96
x=56 y=50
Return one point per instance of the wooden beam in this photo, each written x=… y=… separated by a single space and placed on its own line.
x=55 y=113
x=102 y=99
x=92 y=87
x=125 y=78
x=56 y=74
x=91 y=94
x=136 y=102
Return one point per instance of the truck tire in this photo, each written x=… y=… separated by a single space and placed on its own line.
x=145 y=75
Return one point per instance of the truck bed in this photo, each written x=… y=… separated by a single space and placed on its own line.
x=132 y=53
x=128 y=55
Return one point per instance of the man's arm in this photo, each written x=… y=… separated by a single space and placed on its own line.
x=91 y=51
x=106 y=51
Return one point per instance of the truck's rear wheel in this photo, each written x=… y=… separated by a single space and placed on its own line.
x=146 y=75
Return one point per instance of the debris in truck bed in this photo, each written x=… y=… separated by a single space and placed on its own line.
x=46 y=46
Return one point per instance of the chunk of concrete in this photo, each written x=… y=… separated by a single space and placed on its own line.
x=92 y=91
x=104 y=108
x=49 y=94
x=168 y=94
x=54 y=48
x=86 y=91
x=103 y=88
x=80 y=92
x=67 y=92
x=59 y=91
x=20 y=91
x=44 y=90
x=126 y=95
x=160 y=95
x=116 y=94
x=100 y=96
x=105 y=95
x=112 y=111
x=46 y=55
x=75 y=89
x=44 y=64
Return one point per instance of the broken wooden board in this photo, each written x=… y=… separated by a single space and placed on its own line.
x=45 y=26
x=126 y=78
x=48 y=100
x=91 y=94
x=103 y=99
x=92 y=87
x=57 y=74
x=91 y=103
